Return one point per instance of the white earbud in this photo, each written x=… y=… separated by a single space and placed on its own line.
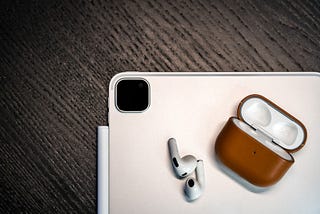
x=182 y=166
x=194 y=187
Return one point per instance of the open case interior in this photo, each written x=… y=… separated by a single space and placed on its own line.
x=270 y=125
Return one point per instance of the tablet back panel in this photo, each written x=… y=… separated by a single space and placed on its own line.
x=193 y=107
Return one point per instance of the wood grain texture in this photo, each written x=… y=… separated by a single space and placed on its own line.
x=57 y=57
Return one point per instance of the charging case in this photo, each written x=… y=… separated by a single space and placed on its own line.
x=257 y=144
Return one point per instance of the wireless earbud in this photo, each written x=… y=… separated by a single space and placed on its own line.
x=182 y=166
x=194 y=187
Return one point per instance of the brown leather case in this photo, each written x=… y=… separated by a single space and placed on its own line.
x=249 y=158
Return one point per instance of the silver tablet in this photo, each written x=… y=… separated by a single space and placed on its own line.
x=134 y=170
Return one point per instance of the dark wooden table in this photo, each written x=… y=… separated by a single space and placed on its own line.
x=57 y=57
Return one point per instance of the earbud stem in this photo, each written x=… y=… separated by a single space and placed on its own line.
x=200 y=173
x=173 y=148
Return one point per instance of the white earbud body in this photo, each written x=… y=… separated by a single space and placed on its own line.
x=194 y=187
x=182 y=166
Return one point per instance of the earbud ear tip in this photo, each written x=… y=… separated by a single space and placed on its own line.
x=192 y=189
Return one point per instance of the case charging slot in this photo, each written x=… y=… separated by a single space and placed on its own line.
x=264 y=134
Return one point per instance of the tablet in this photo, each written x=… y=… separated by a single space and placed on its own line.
x=135 y=173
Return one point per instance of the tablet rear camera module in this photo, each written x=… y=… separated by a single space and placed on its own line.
x=132 y=95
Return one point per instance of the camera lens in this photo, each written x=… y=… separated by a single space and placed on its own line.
x=132 y=95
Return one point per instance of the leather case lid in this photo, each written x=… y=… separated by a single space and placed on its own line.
x=267 y=117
